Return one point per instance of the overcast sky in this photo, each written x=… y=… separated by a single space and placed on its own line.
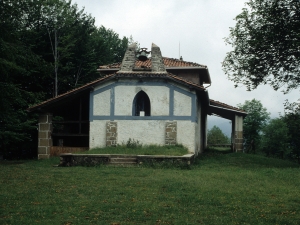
x=200 y=27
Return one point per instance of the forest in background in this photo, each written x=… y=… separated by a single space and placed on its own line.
x=46 y=49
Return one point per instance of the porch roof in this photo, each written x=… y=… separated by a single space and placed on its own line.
x=223 y=110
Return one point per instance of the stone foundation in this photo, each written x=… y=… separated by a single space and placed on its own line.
x=171 y=133
x=98 y=159
x=157 y=159
x=111 y=133
x=83 y=160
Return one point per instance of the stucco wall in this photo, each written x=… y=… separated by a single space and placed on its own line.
x=102 y=103
x=114 y=102
x=186 y=134
x=146 y=132
x=182 y=104
x=158 y=95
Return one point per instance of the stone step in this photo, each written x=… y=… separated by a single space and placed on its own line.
x=122 y=163
x=123 y=160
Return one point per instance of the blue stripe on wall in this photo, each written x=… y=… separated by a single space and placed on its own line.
x=171 y=101
x=171 y=116
x=144 y=118
x=112 y=101
x=91 y=106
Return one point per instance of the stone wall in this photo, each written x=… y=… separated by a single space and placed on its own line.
x=171 y=133
x=111 y=133
x=83 y=160
x=44 y=135
x=98 y=159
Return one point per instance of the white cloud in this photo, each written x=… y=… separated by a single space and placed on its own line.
x=199 y=26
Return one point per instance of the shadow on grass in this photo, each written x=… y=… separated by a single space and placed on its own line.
x=164 y=164
x=12 y=162
x=241 y=160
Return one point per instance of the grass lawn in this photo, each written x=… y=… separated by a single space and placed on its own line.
x=232 y=188
x=176 y=150
x=222 y=149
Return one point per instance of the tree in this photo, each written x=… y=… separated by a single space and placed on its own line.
x=216 y=136
x=254 y=122
x=292 y=120
x=265 y=41
x=275 y=138
x=29 y=64
x=17 y=63
x=61 y=36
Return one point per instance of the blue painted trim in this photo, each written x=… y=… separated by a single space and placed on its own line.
x=193 y=102
x=108 y=87
x=133 y=105
x=171 y=101
x=91 y=106
x=112 y=101
x=172 y=88
x=144 y=118
x=194 y=109
x=143 y=83
x=183 y=91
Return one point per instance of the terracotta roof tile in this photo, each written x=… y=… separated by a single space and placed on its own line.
x=223 y=105
x=168 y=62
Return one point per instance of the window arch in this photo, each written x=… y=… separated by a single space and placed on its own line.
x=141 y=102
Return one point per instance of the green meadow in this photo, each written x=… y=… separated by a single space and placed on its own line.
x=232 y=188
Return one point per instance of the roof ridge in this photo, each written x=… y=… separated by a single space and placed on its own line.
x=148 y=62
x=179 y=60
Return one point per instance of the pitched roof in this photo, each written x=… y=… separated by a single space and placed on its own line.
x=66 y=94
x=168 y=76
x=168 y=62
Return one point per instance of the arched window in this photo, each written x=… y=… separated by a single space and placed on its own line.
x=141 y=102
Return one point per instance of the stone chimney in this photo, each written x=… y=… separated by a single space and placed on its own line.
x=157 y=60
x=129 y=59
x=128 y=63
